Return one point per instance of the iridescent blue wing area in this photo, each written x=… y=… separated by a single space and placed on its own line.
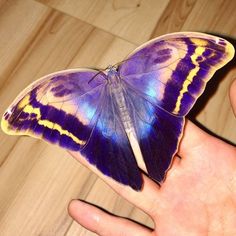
x=73 y=110
x=157 y=131
x=170 y=73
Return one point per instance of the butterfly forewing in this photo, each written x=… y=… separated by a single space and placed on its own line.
x=173 y=70
x=61 y=108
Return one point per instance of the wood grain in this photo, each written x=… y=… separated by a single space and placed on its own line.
x=132 y=20
x=38 y=180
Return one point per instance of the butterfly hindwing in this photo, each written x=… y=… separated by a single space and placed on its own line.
x=158 y=133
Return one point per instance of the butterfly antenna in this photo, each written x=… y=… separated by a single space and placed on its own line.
x=127 y=59
x=99 y=72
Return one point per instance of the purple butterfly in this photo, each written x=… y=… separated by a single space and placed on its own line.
x=127 y=116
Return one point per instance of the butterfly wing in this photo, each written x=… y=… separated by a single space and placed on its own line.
x=57 y=108
x=73 y=109
x=169 y=73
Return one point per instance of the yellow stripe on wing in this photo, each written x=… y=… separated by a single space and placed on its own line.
x=48 y=124
x=55 y=126
x=198 y=51
x=29 y=109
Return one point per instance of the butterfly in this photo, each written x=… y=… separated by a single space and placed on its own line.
x=127 y=116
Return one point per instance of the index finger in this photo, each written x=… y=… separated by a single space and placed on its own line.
x=142 y=199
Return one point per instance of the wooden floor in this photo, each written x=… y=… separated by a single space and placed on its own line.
x=38 y=180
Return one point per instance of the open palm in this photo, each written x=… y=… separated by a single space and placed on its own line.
x=198 y=197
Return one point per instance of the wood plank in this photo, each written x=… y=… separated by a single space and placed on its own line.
x=131 y=20
x=198 y=15
x=17 y=26
x=17 y=29
x=174 y=17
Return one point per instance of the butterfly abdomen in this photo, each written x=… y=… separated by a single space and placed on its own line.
x=116 y=89
x=119 y=94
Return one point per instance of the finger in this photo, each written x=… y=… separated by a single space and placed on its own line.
x=143 y=199
x=103 y=223
x=195 y=141
x=232 y=95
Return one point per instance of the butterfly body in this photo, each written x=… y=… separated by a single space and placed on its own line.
x=128 y=116
x=126 y=107
x=117 y=94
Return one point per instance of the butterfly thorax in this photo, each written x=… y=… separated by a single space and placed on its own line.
x=112 y=75
x=117 y=92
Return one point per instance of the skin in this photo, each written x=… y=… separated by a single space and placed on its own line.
x=198 y=197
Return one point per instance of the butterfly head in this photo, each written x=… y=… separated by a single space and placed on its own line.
x=111 y=69
x=112 y=74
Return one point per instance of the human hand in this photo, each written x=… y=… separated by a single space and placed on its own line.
x=197 y=198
